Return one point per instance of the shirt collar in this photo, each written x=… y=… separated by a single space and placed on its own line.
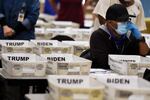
x=103 y=27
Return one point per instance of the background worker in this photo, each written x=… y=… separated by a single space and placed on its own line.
x=19 y=18
x=134 y=7
x=69 y=10
x=111 y=38
x=48 y=9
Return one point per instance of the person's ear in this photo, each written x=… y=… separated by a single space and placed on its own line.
x=111 y=24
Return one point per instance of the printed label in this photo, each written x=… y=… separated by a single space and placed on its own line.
x=14 y=43
x=70 y=81
x=56 y=58
x=15 y=58
x=44 y=44
x=118 y=81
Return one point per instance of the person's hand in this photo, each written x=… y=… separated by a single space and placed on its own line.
x=8 y=31
x=134 y=30
x=143 y=47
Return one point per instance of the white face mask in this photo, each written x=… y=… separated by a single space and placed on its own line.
x=122 y=28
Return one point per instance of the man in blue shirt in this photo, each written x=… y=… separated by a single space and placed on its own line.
x=18 y=18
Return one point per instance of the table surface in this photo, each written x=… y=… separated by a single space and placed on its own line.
x=38 y=97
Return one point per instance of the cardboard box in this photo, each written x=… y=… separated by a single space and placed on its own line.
x=67 y=64
x=78 y=46
x=50 y=46
x=24 y=64
x=66 y=87
x=125 y=87
x=128 y=64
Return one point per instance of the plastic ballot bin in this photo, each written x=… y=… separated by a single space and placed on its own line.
x=65 y=24
x=119 y=87
x=41 y=34
x=66 y=87
x=15 y=46
x=75 y=33
x=128 y=64
x=85 y=33
x=23 y=64
x=65 y=32
x=67 y=64
x=50 y=46
x=78 y=46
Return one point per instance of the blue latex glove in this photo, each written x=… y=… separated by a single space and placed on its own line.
x=134 y=30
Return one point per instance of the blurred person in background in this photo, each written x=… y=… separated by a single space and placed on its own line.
x=112 y=38
x=48 y=9
x=42 y=2
x=70 y=10
x=134 y=7
x=18 y=18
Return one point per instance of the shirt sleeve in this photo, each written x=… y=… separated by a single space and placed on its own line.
x=2 y=16
x=101 y=7
x=140 y=20
x=32 y=15
x=99 y=50
x=1 y=6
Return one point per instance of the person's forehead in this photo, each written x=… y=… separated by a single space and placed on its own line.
x=126 y=0
x=114 y=21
